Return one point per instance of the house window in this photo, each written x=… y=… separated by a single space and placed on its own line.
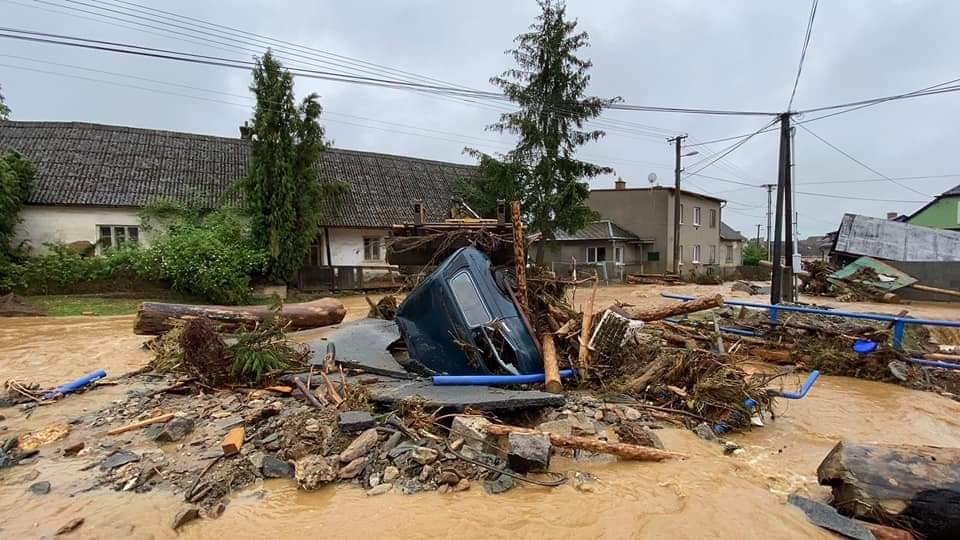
x=681 y=255
x=596 y=254
x=681 y=213
x=713 y=254
x=618 y=255
x=315 y=253
x=465 y=292
x=713 y=218
x=371 y=249
x=114 y=236
x=696 y=216
x=729 y=257
x=695 y=259
x=653 y=256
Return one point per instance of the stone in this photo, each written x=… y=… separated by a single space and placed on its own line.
x=705 y=432
x=184 y=516
x=424 y=455
x=30 y=476
x=390 y=474
x=374 y=480
x=274 y=467
x=218 y=509
x=379 y=489
x=426 y=473
x=228 y=423
x=352 y=469
x=401 y=449
x=313 y=471
x=256 y=459
x=729 y=447
x=40 y=488
x=73 y=449
x=462 y=485
x=585 y=482
x=391 y=443
x=71 y=526
x=576 y=424
x=449 y=477
x=360 y=446
x=528 y=452
x=117 y=459
x=353 y=421
x=444 y=488
x=175 y=430
x=501 y=484
x=470 y=430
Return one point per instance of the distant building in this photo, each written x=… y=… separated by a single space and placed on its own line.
x=893 y=241
x=941 y=213
x=602 y=244
x=732 y=244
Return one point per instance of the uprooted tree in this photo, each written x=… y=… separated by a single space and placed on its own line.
x=282 y=191
x=549 y=88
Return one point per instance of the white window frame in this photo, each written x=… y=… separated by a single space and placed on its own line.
x=618 y=254
x=681 y=255
x=696 y=216
x=681 y=213
x=593 y=259
x=373 y=244
x=114 y=243
x=729 y=253
x=695 y=254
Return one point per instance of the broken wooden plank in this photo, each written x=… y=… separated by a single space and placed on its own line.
x=671 y=310
x=586 y=329
x=626 y=451
x=233 y=441
x=307 y=393
x=142 y=424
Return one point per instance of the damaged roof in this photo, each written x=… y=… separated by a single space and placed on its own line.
x=598 y=230
x=895 y=240
x=82 y=164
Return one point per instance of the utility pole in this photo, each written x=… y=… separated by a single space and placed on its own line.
x=676 y=205
x=783 y=198
x=769 y=213
x=758 y=234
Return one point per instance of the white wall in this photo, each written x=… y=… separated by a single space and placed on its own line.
x=41 y=224
x=346 y=247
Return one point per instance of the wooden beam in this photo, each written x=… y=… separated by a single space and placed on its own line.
x=584 y=353
x=671 y=310
x=141 y=424
x=551 y=369
x=626 y=451
x=519 y=254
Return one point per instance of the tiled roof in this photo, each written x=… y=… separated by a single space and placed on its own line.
x=728 y=233
x=99 y=165
x=598 y=230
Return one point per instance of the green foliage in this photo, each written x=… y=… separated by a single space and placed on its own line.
x=61 y=268
x=282 y=191
x=549 y=87
x=498 y=180
x=753 y=254
x=16 y=180
x=264 y=350
x=210 y=257
x=4 y=110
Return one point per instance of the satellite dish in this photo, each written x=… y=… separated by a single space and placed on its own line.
x=652 y=178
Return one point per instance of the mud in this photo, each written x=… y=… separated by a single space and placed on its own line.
x=709 y=495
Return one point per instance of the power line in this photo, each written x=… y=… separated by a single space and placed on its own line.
x=835 y=196
x=803 y=52
x=881 y=179
x=733 y=147
x=862 y=164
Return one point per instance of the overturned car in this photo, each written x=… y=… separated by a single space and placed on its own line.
x=463 y=320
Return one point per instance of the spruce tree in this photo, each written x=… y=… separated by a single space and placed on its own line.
x=282 y=190
x=4 y=110
x=549 y=86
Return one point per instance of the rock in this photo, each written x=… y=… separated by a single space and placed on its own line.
x=353 y=421
x=71 y=526
x=379 y=489
x=585 y=482
x=360 y=446
x=117 y=459
x=374 y=480
x=228 y=423
x=449 y=477
x=175 y=430
x=462 y=485
x=424 y=455
x=639 y=434
x=827 y=517
x=313 y=471
x=30 y=476
x=184 y=516
x=444 y=488
x=502 y=484
x=256 y=459
x=274 y=467
x=470 y=429
x=390 y=474
x=353 y=468
x=426 y=473
x=218 y=509
x=40 y=488
x=705 y=432
x=73 y=449
x=391 y=443
x=576 y=424
x=729 y=447
x=401 y=449
x=528 y=452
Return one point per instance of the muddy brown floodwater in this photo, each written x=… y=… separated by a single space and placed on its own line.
x=708 y=495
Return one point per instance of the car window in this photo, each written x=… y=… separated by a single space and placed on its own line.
x=468 y=298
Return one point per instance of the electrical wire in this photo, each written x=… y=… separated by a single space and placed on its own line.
x=835 y=196
x=803 y=52
x=732 y=147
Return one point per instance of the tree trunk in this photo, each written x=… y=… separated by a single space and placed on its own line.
x=155 y=318
x=662 y=312
x=626 y=451
x=551 y=370
x=914 y=487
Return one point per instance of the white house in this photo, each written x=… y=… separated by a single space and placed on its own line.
x=92 y=181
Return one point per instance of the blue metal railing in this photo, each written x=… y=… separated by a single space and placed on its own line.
x=899 y=323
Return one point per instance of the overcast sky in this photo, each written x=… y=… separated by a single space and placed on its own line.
x=677 y=53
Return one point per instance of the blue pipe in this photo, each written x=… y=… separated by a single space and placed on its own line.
x=484 y=380
x=933 y=363
x=738 y=331
x=75 y=385
x=807 y=385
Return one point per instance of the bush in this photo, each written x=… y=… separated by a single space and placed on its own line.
x=753 y=254
x=60 y=269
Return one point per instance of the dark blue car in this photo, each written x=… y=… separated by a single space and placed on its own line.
x=460 y=321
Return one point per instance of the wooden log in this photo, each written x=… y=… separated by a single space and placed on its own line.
x=937 y=290
x=307 y=393
x=626 y=451
x=583 y=355
x=519 y=254
x=233 y=441
x=914 y=487
x=671 y=310
x=773 y=357
x=331 y=391
x=954 y=358
x=155 y=318
x=551 y=369
x=142 y=424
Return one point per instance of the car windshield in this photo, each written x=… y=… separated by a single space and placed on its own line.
x=468 y=298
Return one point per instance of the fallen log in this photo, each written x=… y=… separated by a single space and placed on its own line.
x=155 y=318
x=913 y=487
x=583 y=355
x=551 y=370
x=626 y=451
x=671 y=310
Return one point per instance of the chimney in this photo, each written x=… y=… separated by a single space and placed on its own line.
x=892 y=215
x=246 y=132
x=620 y=185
